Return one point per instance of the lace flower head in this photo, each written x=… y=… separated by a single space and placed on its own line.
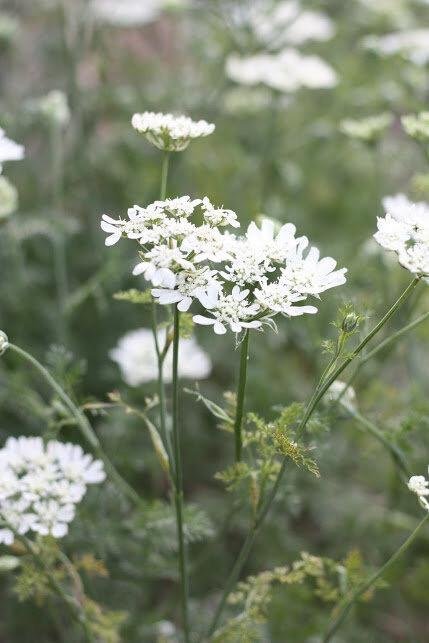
x=168 y=132
x=41 y=484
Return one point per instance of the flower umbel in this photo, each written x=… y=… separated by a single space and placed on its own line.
x=420 y=486
x=41 y=484
x=169 y=132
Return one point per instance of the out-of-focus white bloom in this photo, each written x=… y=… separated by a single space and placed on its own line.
x=4 y=342
x=40 y=484
x=417 y=125
x=405 y=230
x=366 y=129
x=340 y=392
x=8 y=198
x=53 y=107
x=420 y=486
x=413 y=44
x=127 y=13
x=286 y=71
x=168 y=132
x=9 y=28
x=9 y=150
x=136 y=356
x=286 y=23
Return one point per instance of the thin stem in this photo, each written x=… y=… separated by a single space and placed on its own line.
x=59 y=241
x=83 y=424
x=319 y=392
x=160 y=357
x=178 y=487
x=347 y=604
x=241 y=391
x=164 y=176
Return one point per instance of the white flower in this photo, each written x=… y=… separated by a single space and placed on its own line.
x=126 y=13
x=340 y=392
x=8 y=198
x=218 y=216
x=160 y=264
x=168 y=132
x=286 y=71
x=40 y=484
x=136 y=356
x=53 y=107
x=412 y=44
x=189 y=285
x=420 y=486
x=9 y=150
x=405 y=230
x=286 y=22
x=229 y=311
x=311 y=275
x=276 y=298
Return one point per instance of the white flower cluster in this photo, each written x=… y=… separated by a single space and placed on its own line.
x=9 y=150
x=40 y=485
x=420 y=486
x=405 y=230
x=241 y=281
x=278 y=23
x=286 y=71
x=412 y=44
x=168 y=132
x=136 y=357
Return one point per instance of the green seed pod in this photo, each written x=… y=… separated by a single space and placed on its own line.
x=350 y=322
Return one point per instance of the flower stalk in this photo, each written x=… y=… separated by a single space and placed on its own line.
x=178 y=484
x=241 y=392
x=348 y=603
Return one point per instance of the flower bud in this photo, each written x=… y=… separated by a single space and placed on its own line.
x=350 y=323
x=4 y=342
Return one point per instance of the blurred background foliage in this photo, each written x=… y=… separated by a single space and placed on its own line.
x=283 y=155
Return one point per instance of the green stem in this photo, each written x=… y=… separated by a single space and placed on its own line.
x=160 y=356
x=320 y=390
x=178 y=486
x=83 y=424
x=347 y=604
x=164 y=176
x=241 y=391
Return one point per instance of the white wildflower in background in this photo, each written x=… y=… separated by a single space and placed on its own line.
x=366 y=129
x=9 y=150
x=8 y=198
x=412 y=44
x=417 y=125
x=405 y=230
x=276 y=24
x=420 y=486
x=340 y=392
x=169 y=132
x=126 y=13
x=53 y=107
x=136 y=357
x=41 y=484
x=286 y=71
